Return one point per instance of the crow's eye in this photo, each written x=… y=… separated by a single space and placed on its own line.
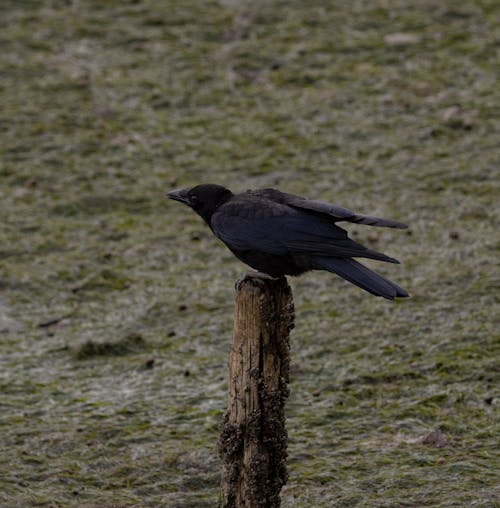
x=193 y=199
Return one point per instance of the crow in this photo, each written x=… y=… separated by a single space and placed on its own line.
x=282 y=234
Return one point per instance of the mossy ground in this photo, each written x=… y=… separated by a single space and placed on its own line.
x=387 y=107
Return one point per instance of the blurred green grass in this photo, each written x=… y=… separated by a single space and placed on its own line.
x=390 y=108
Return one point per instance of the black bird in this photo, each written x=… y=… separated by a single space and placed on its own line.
x=283 y=234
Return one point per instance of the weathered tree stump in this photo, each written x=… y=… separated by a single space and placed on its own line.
x=253 y=437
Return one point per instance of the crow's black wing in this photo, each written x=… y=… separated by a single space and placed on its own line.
x=344 y=214
x=335 y=213
x=245 y=225
x=276 y=229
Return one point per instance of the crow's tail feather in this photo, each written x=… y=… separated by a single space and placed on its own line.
x=361 y=276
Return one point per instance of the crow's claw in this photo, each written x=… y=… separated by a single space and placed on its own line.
x=257 y=278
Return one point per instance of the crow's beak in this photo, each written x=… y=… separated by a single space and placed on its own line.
x=179 y=195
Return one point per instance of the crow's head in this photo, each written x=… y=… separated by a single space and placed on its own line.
x=203 y=199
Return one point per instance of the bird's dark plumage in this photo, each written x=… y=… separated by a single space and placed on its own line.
x=282 y=234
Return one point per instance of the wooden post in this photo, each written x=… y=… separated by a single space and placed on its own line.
x=253 y=437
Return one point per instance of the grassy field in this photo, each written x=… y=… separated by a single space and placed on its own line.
x=116 y=304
